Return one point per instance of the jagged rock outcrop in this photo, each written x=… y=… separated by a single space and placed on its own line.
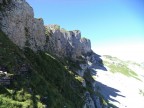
x=66 y=43
x=84 y=67
x=89 y=102
x=93 y=62
x=18 y=22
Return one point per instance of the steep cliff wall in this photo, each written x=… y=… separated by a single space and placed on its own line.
x=18 y=22
x=66 y=43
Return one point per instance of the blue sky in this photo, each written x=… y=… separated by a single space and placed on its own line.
x=109 y=24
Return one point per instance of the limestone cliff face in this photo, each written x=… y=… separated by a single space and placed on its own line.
x=87 y=71
x=18 y=22
x=66 y=43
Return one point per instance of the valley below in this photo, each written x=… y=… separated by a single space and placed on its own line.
x=123 y=90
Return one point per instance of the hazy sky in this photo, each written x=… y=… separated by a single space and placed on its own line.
x=115 y=27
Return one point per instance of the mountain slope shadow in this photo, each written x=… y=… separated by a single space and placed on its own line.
x=107 y=92
x=97 y=62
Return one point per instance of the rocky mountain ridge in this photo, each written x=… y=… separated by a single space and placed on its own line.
x=46 y=66
x=18 y=22
x=66 y=43
x=28 y=33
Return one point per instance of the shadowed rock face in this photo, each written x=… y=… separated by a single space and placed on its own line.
x=18 y=22
x=66 y=43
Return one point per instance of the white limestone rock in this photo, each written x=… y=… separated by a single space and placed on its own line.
x=66 y=43
x=18 y=22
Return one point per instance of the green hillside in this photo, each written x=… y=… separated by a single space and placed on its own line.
x=44 y=80
x=118 y=66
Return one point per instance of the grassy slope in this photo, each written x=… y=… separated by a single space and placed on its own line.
x=47 y=77
x=120 y=66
